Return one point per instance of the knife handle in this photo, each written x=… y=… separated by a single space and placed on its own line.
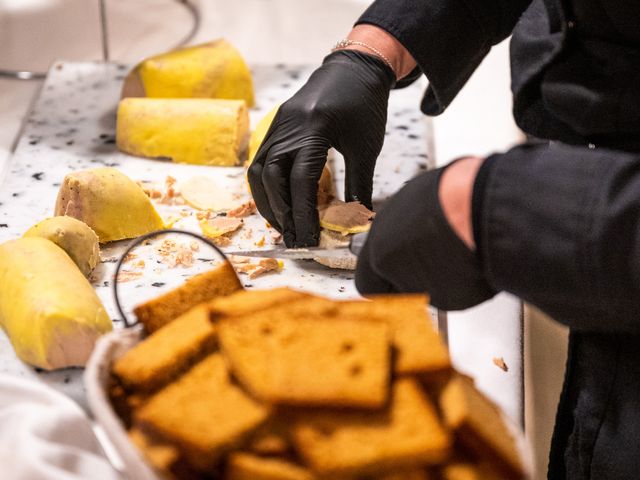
x=357 y=242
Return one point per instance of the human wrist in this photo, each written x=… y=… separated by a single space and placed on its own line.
x=384 y=45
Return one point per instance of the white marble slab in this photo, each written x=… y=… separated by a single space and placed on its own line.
x=72 y=127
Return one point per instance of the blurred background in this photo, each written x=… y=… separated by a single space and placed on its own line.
x=34 y=33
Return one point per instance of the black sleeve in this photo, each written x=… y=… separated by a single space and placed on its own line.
x=448 y=38
x=559 y=226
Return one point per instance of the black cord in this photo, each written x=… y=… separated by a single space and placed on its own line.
x=135 y=244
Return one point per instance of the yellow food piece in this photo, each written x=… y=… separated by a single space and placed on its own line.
x=204 y=193
x=345 y=231
x=185 y=130
x=220 y=226
x=211 y=70
x=345 y=218
x=112 y=204
x=244 y=466
x=258 y=134
x=48 y=309
x=73 y=236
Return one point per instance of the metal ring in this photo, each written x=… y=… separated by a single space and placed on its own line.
x=34 y=75
x=197 y=20
x=136 y=243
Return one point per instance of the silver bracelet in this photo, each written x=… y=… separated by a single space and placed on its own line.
x=347 y=43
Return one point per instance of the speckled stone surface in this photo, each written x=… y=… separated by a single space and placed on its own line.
x=72 y=127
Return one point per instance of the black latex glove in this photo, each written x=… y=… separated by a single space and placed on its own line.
x=412 y=248
x=342 y=105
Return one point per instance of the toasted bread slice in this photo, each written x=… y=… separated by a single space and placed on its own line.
x=418 y=347
x=215 y=283
x=271 y=439
x=171 y=350
x=296 y=354
x=467 y=470
x=249 y=301
x=479 y=426
x=168 y=352
x=415 y=474
x=161 y=456
x=203 y=413
x=244 y=466
x=405 y=435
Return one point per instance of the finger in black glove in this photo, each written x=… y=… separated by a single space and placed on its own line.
x=342 y=105
x=412 y=249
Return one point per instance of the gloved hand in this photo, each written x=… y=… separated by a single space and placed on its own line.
x=342 y=105
x=412 y=249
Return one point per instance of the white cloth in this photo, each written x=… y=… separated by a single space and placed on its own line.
x=46 y=436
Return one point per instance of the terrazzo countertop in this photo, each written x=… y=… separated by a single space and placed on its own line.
x=72 y=127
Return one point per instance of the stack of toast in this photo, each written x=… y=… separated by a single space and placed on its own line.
x=281 y=384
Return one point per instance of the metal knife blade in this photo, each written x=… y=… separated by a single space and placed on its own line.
x=353 y=248
x=296 y=253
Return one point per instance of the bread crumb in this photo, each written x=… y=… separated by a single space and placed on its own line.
x=175 y=254
x=202 y=216
x=184 y=257
x=129 y=257
x=244 y=267
x=254 y=270
x=265 y=265
x=167 y=194
x=260 y=242
x=500 y=363
x=128 y=275
x=222 y=241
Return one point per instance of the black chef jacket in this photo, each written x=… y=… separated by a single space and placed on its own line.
x=557 y=224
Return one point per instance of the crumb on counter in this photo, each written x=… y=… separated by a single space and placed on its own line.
x=203 y=215
x=500 y=363
x=175 y=254
x=167 y=194
x=222 y=241
x=253 y=270
x=129 y=257
x=248 y=234
x=128 y=275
